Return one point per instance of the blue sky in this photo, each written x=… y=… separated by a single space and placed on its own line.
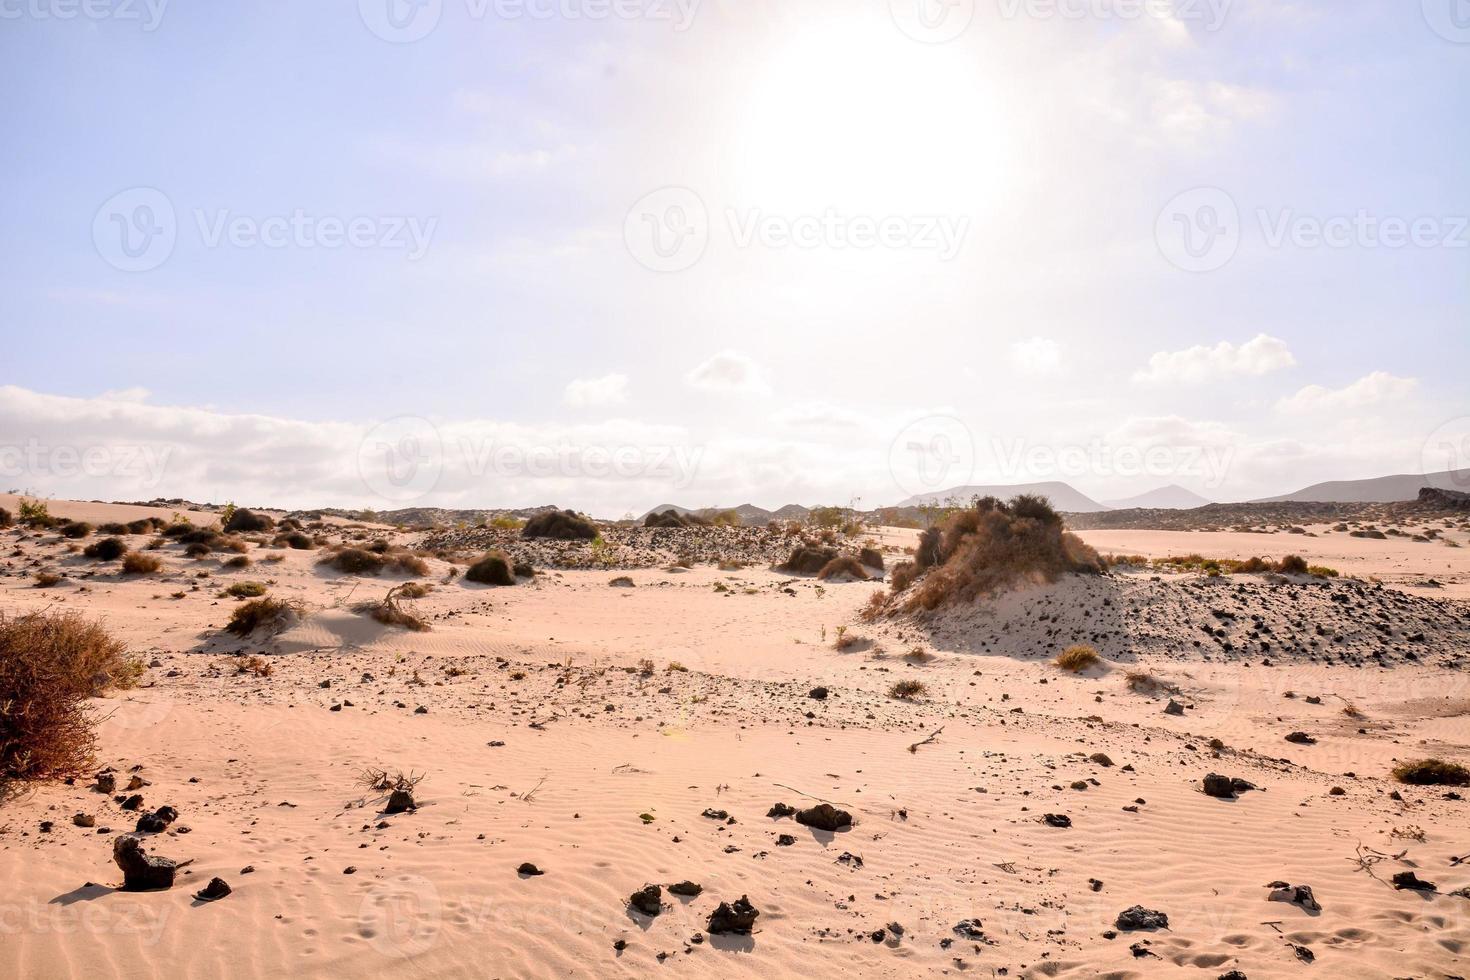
x=1027 y=171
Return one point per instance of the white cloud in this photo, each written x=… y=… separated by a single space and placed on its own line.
x=1372 y=389
x=1036 y=356
x=1255 y=357
x=729 y=371
x=610 y=389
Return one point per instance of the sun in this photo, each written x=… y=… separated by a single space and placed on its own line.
x=860 y=118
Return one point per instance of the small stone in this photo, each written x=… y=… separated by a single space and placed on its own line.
x=737 y=918
x=529 y=870
x=214 y=891
x=648 y=900
x=1139 y=917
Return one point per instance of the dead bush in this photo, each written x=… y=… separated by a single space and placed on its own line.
x=45 y=580
x=390 y=612
x=137 y=563
x=76 y=529
x=492 y=568
x=107 y=549
x=807 y=559
x=844 y=565
x=266 y=614
x=907 y=690
x=50 y=664
x=248 y=522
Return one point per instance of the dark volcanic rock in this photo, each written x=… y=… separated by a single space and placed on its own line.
x=1295 y=895
x=738 y=918
x=1411 y=881
x=648 y=900
x=141 y=871
x=217 y=889
x=824 y=816
x=1139 y=917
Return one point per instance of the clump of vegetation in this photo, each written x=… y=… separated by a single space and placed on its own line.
x=107 y=549
x=45 y=580
x=907 y=690
x=137 y=563
x=50 y=664
x=844 y=565
x=807 y=559
x=254 y=664
x=504 y=522
x=358 y=561
x=295 y=540
x=36 y=513
x=239 y=561
x=247 y=522
x=76 y=530
x=1431 y=772
x=268 y=614
x=562 y=525
x=996 y=545
x=1078 y=658
x=415 y=590
x=245 y=590
x=1141 y=682
x=6 y=517
x=673 y=519
x=491 y=568
x=390 y=612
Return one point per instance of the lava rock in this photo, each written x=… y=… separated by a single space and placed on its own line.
x=217 y=889
x=824 y=816
x=738 y=918
x=1139 y=917
x=648 y=900
x=1295 y=895
x=142 y=872
x=1409 y=880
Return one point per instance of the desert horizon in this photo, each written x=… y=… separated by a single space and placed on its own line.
x=735 y=488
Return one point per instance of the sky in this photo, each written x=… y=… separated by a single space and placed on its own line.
x=611 y=254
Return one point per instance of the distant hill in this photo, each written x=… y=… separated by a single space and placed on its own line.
x=1383 y=489
x=1172 y=497
x=1062 y=496
x=750 y=515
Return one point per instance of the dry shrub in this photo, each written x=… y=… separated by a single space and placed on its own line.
x=145 y=525
x=1140 y=682
x=254 y=664
x=269 y=614
x=807 y=559
x=415 y=590
x=76 y=529
x=874 y=607
x=197 y=550
x=904 y=574
x=294 y=540
x=673 y=519
x=50 y=664
x=844 y=565
x=907 y=690
x=1078 y=658
x=563 y=525
x=996 y=545
x=246 y=590
x=357 y=561
x=6 y=517
x=492 y=568
x=137 y=563
x=108 y=549
x=390 y=613
x=239 y=561
x=1292 y=565
x=113 y=528
x=1431 y=772
x=248 y=521
x=45 y=580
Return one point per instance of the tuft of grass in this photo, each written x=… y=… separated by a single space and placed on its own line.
x=245 y=590
x=1078 y=658
x=1431 y=772
x=268 y=614
x=907 y=690
x=50 y=664
x=137 y=563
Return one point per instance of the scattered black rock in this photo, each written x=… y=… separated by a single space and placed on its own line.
x=738 y=918
x=687 y=889
x=401 y=801
x=817 y=694
x=1139 y=917
x=142 y=872
x=1173 y=708
x=781 y=810
x=1059 y=820
x=648 y=900
x=1409 y=880
x=529 y=869
x=714 y=814
x=217 y=889
x=1295 y=895
x=1219 y=787
x=1301 y=738
x=158 y=821
x=824 y=816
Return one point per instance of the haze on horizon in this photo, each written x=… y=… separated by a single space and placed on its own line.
x=366 y=254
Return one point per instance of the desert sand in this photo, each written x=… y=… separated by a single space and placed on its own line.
x=618 y=736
